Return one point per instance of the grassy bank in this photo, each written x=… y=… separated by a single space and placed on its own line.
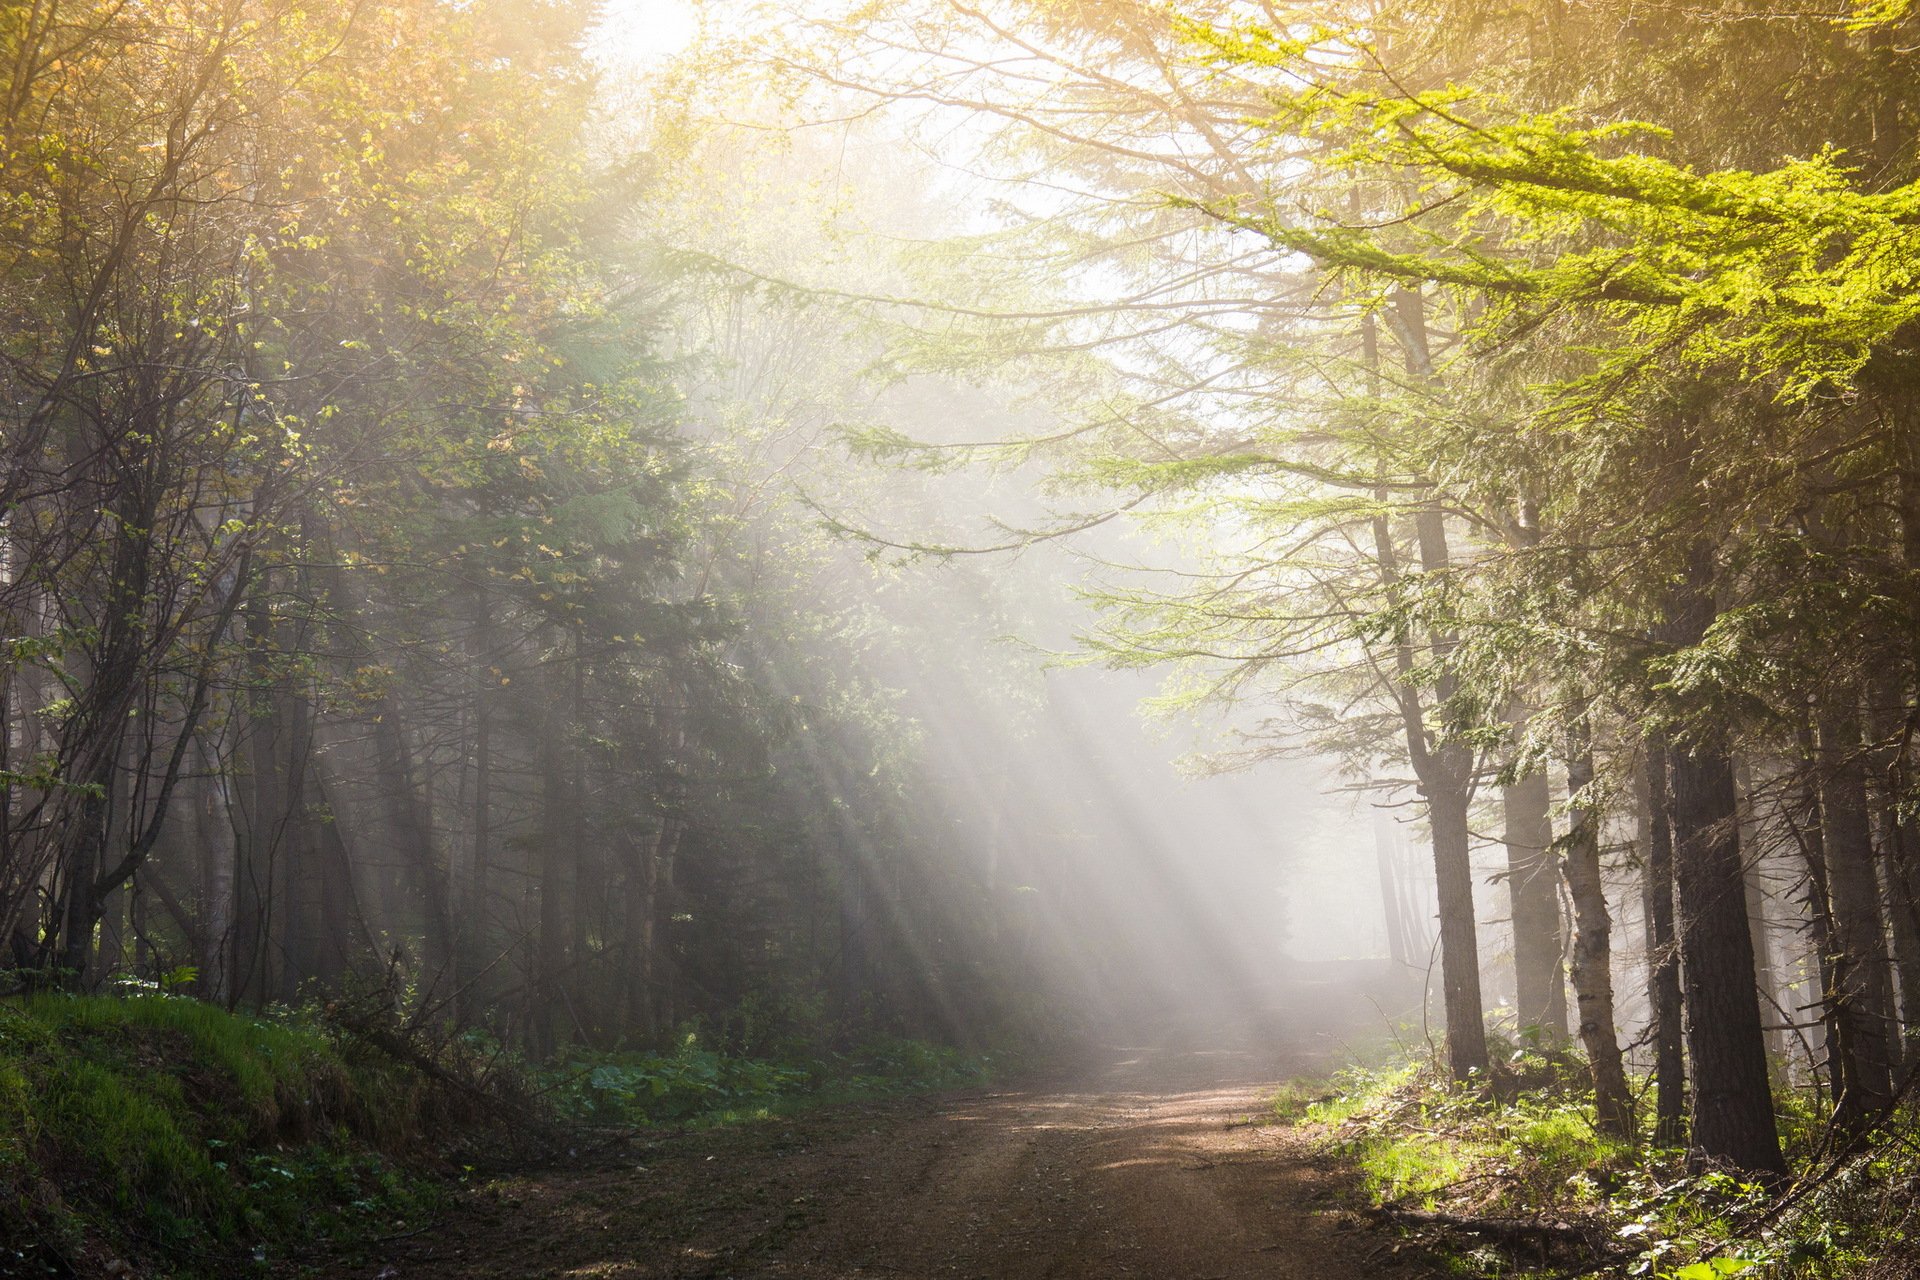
x=193 y=1140
x=155 y=1132
x=1525 y=1188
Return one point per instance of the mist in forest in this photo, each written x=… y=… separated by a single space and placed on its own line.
x=979 y=582
x=718 y=613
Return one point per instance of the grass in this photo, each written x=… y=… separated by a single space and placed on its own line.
x=157 y=1126
x=1531 y=1155
x=194 y=1141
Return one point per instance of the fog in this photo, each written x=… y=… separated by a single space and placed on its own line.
x=1165 y=859
x=700 y=556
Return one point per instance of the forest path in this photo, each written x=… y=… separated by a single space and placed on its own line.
x=1149 y=1163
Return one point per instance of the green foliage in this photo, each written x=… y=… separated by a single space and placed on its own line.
x=697 y=1084
x=165 y=1124
x=1419 y=1142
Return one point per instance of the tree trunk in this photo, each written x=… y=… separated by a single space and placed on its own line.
x=1765 y=975
x=412 y=824
x=219 y=859
x=1859 y=957
x=1390 y=903
x=1731 y=1117
x=475 y=913
x=1903 y=913
x=1888 y=776
x=258 y=871
x=1663 y=952
x=1447 y=805
x=656 y=962
x=1445 y=773
x=1592 y=946
x=556 y=865
x=1540 y=992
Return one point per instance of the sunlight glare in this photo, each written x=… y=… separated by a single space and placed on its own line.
x=639 y=34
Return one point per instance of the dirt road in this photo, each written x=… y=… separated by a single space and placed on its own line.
x=1148 y=1163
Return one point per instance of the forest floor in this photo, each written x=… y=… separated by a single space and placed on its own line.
x=1148 y=1161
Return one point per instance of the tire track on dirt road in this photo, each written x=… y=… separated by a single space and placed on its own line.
x=1142 y=1164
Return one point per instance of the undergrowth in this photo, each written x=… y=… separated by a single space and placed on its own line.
x=160 y=1127
x=1513 y=1181
x=199 y=1142
x=696 y=1084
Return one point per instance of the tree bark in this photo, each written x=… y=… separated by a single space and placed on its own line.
x=1663 y=952
x=1540 y=992
x=556 y=862
x=1592 y=966
x=1765 y=966
x=1731 y=1118
x=1897 y=841
x=1444 y=773
x=475 y=912
x=1861 y=987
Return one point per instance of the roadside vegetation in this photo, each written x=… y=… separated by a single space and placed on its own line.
x=150 y=1133
x=694 y=1084
x=1512 y=1179
x=154 y=1126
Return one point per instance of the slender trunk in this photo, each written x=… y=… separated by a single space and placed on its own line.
x=474 y=915
x=258 y=871
x=1836 y=1024
x=412 y=825
x=1445 y=773
x=1663 y=952
x=1895 y=838
x=1592 y=945
x=1731 y=1117
x=1540 y=993
x=556 y=864
x=1447 y=805
x=1390 y=902
x=586 y=875
x=113 y=931
x=219 y=859
x=1899 y=885
x=303 y=878
x=1765 y=977
x=96 y=733
x=1540 y=989
x=1859 y=957
x=1448 y=784
x=1902 y=400
x=656 y=967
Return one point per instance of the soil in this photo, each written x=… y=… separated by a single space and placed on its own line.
x=1143 y=1161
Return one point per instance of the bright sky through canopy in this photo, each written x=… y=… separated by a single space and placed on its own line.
x=641 y=33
